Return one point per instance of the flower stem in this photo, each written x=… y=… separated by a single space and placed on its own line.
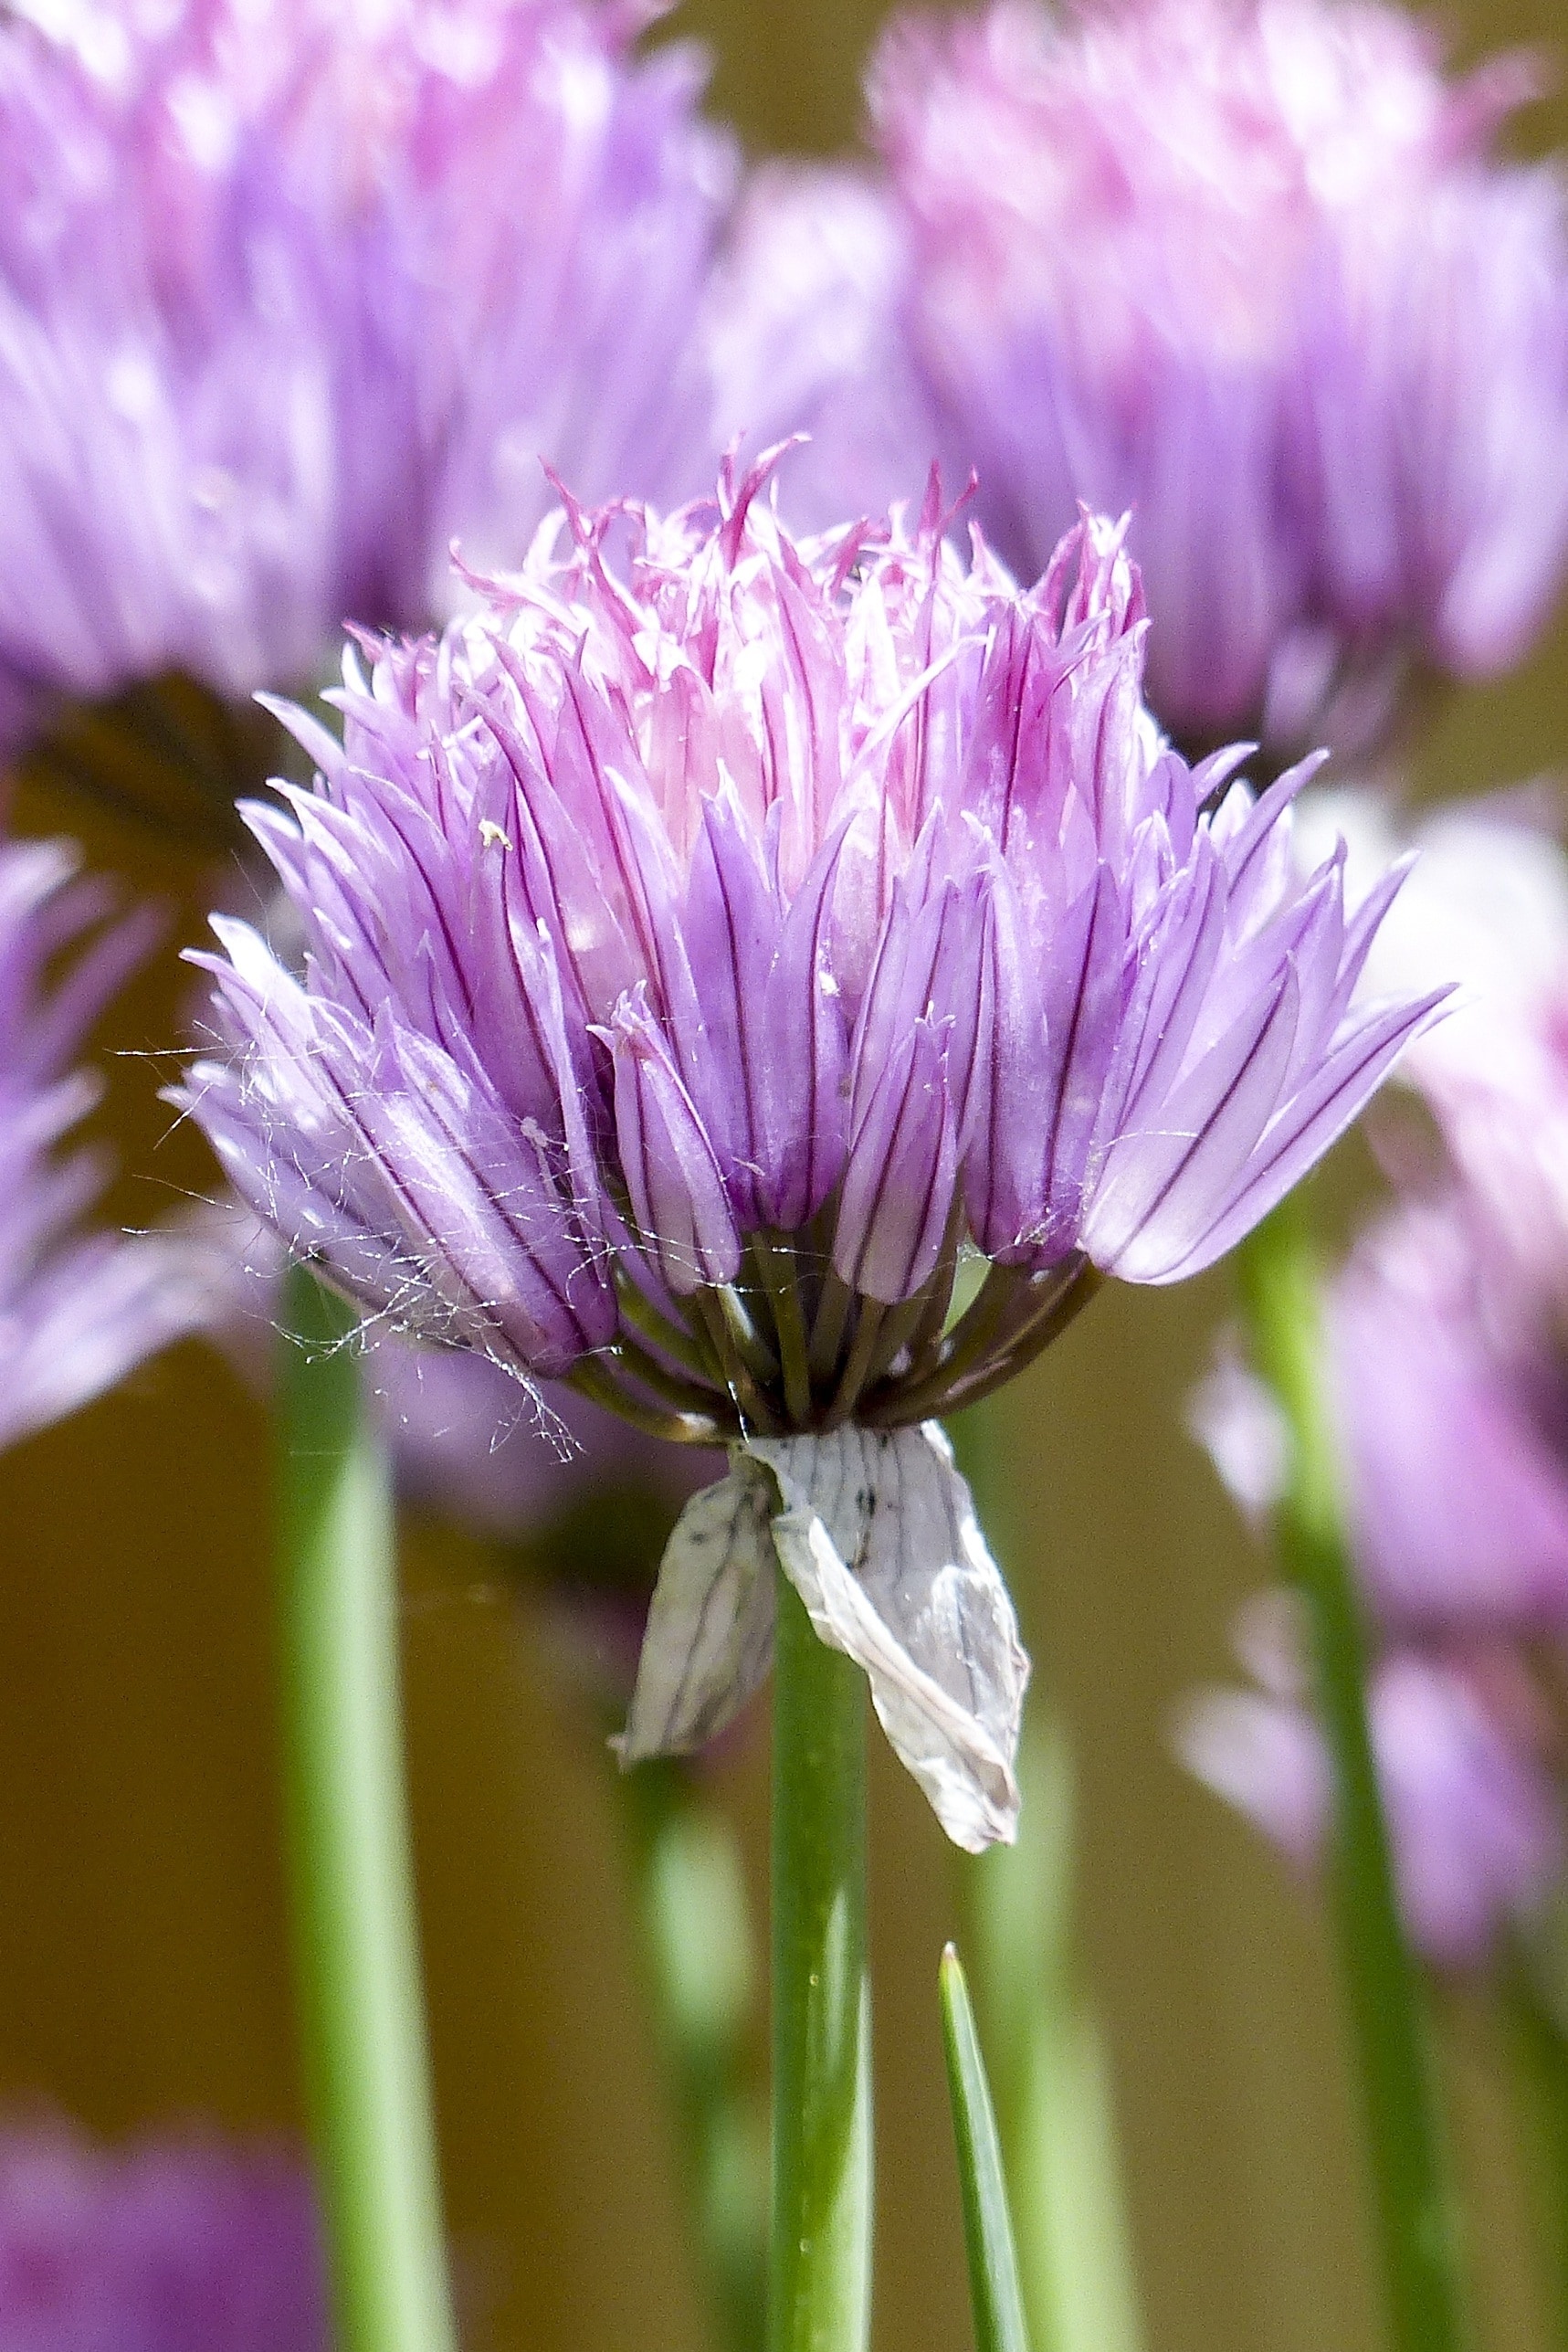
x=1048 y=2066
x=697 y=1945
x=819 y=2288
x=355 y=1930
x=1416 y=2208
x=1540 y=2068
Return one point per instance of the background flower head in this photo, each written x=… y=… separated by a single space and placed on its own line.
x=1446 y=1380
x=77 y=1308
x=1471 y=1781
x=1246 y=266
x=290 y=294
x=176 y=2244
x=803 y=334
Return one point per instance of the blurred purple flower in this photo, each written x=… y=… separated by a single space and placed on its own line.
x=290 y=295
x=168 y=2244
x=804 y=334
x=1448 y=1388
x=1488 y=907
x=1451 y=1432
x=717 y=941
x=78 y=1308
x=1475 y=1810
x=1454 y=1440
x=1246 y=267
x=1504 y=1122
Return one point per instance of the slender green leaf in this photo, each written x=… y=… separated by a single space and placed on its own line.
x=987 y=2224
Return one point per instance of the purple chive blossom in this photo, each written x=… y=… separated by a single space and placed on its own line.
x=1462 y=1741
x=189 y=2244
x=289 y=296
x=78 y=1308
x=717 y=943
x=1249 y=268
x=1449 y=1393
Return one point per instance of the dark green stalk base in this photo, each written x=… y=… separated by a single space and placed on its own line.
x=819 y=2285
x=355 y=1931
x=1416 y=2207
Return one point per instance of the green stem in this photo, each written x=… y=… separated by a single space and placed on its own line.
x=1391 y=2029
x=1540 y=2068
x=819 y=2288
x=355 y=1929
x=1049 y=2068
x=698 y=1952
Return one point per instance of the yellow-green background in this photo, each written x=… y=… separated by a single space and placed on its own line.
x=142 y=1951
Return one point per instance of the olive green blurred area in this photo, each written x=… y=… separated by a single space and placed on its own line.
x=143 y=1948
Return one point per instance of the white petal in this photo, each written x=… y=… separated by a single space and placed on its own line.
x=710 y=1638
x=878 y=1537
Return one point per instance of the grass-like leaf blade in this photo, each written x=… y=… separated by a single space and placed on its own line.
x=994 y=2286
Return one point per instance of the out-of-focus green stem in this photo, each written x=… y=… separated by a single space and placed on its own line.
x=1047 y=2062
x=820 y=2254
x=1050 y=2072
x=1540 y=2068
x=697 y=1942
x=356 y=1932
x=1417 y=2208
